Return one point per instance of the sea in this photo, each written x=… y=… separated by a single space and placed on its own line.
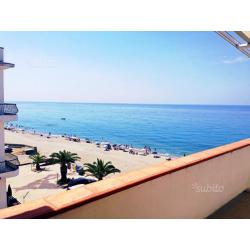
x=171 y=129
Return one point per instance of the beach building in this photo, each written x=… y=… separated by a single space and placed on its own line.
x=194 y=186
x=8 y=112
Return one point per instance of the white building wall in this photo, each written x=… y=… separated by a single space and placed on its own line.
x=193 y=192
x=3 y=200
x=1 y=78
x=1 y=101
x=2 y=151
x=1 y=86
x=1 y=54
x=3 y=196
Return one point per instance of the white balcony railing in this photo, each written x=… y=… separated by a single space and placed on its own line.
x=8 y=109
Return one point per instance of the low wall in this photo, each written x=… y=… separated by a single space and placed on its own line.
x=190 y=187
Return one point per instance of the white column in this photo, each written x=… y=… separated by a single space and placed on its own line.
x=1 y=78
x=2 y=150
x=3 y=196
x=1 y=54
x=1 y=101
x=1 y=87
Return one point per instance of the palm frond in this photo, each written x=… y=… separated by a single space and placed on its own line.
x=100 y=169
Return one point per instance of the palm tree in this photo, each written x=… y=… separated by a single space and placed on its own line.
x=37 y=159
x=100 y=169
x=64 y=158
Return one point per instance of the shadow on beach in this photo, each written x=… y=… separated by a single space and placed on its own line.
x=43 y=183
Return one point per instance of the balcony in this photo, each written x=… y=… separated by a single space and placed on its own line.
x=194 y=186
x=5 y=65
x=8 y=109
x=10 y=164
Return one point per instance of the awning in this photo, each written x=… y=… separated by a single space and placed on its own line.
x=239 y=39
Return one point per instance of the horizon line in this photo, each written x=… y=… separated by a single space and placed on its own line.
x=127 y=103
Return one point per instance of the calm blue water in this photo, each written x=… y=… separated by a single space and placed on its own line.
x=174 y=129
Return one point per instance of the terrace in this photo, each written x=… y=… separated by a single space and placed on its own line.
x=175 y=189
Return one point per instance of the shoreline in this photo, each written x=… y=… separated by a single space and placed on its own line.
x=158 y=154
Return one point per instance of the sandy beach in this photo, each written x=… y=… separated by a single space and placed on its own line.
x=31 y=185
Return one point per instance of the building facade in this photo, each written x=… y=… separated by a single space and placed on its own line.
x=9 y=165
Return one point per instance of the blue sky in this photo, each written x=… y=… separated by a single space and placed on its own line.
x=125 y=67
